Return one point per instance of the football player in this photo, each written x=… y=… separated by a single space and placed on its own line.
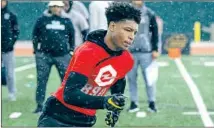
x=100 y=64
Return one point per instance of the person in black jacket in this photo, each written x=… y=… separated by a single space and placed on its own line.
x=9 y=35
x=53 y=40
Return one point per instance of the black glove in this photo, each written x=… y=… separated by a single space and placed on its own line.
x=112 y=118
x=114 y=102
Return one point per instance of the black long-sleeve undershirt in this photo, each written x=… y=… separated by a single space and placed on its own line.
x=119 y=87
x=74 y=96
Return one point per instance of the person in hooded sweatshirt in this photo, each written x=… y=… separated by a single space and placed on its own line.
x=9 y=35
x=97 y=17
x=53 y=40
x=80 y=23
x=98 y=65
x=80 y=7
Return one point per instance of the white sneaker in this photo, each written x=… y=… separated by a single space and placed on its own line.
x=12 y=97
x=134 y=110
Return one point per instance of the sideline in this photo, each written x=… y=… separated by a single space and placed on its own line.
x=25 y=67
x=196 y=94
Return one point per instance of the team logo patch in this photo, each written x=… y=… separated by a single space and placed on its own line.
x=55 y=25
x=106 y=76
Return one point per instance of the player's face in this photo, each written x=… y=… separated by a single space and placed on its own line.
x=3 y=3
x=123 y=33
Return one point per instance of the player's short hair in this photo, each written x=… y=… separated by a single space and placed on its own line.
x=119 y=11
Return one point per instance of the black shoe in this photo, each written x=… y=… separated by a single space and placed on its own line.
x=133 y=107
x=38 y=109
x=152 y=108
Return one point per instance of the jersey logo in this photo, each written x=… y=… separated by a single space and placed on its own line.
x=106 y=76
x=55 y=25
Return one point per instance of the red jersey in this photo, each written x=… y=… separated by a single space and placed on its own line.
x=101 y=69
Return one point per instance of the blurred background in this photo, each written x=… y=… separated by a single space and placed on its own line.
x=188 y=26
x=178 y=18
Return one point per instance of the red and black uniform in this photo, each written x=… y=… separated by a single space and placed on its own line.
x=93 y=70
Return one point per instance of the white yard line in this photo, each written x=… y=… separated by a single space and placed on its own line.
x=209 y=64
x=196 y=113
x=163 y=64
x=25 y=67
x=196 y=95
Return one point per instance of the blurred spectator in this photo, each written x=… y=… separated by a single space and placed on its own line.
x=80 y=23
x=80 y=7
x=3 y=74
x=97 y=19
x=53 y=39
x=144 y=51
x=160 y=33
x=9 y=35
x=209 y=30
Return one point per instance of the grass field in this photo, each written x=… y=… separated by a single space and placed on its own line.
x=173 y=96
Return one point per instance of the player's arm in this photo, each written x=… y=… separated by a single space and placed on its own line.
x=119 y=86
x=74 y=96
x=80 y=69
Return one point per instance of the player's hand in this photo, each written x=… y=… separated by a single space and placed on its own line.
x=111 y=118
x=155 y=55
x=114 y=102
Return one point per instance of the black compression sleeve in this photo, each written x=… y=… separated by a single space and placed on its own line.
x=119 y=86
x=74 y=96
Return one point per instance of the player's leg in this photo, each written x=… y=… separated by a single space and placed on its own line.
x=55 y=114
x=146 y=61
x=9 y=63
x=62 y=63
x=132 y=80
x=43 y=67
x=48 y=121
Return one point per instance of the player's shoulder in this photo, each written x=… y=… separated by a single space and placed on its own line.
x=88 y=49
x=128 y=54
x=128 y=58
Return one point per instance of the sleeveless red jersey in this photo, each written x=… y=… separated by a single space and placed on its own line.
x=101 y=69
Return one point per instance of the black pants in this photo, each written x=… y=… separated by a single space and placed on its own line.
x=48 y=121
x=56 y=114
x=44 y=64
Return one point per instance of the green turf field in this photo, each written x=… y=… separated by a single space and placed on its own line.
x=173 y=96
